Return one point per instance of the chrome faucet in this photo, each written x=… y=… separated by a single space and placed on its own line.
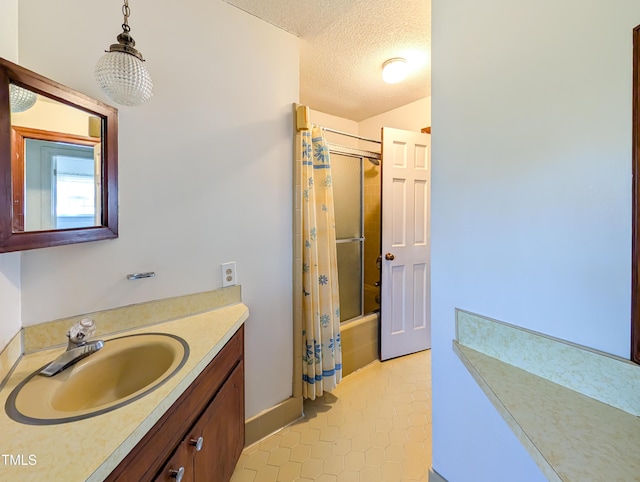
x=78 y=347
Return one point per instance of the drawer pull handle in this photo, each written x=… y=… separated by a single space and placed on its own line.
x=177 y=474
x=197 y=443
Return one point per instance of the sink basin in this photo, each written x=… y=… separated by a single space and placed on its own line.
x=126 y=369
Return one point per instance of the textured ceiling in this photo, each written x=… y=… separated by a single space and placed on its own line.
x=344 y=44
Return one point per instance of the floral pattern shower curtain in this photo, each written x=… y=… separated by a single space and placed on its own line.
x=322 y=351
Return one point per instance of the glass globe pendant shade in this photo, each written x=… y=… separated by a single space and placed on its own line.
x=20 y=99
x=121 y=73
x=124 y=78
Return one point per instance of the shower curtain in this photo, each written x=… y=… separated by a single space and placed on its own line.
x=321 y=351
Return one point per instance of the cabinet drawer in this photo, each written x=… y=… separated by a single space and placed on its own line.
x=182 y=460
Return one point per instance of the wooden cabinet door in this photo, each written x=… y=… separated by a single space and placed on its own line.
x=222 y=428
x=181 y=458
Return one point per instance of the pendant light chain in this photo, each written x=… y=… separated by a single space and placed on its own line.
x=126 y=12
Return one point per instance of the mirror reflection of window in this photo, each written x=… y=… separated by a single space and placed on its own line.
x=60 y=186
x=75 y=191
x=60 y=163
x=57 y=181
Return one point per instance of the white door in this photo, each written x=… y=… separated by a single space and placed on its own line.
x=406 y=187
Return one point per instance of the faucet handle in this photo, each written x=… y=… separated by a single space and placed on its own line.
x=82 y=330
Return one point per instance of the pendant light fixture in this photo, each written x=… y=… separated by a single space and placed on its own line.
x=20 y=99
x=121 y=73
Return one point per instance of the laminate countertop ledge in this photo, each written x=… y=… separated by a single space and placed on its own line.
x=89 y=449
x=572 y=437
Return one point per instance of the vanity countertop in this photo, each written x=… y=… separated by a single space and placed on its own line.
x=574 y=409
x=572 y=437
x=89 y=449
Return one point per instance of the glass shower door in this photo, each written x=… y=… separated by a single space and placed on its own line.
x=348 y=197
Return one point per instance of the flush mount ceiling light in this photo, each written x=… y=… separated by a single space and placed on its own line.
x=20 y=99
x=394 y=70
x=121 y=73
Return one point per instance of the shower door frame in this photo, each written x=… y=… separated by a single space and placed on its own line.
x=362 y=155
x=334 y=149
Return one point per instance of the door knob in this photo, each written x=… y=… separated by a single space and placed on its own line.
x=389 y=257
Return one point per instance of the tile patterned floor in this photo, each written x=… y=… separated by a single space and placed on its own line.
x=376 y=426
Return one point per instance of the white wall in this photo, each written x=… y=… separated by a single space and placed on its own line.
x=531 y=219
x=337 y=123
x=9 y=262
x=9 y=30
x=9 y=297
x=410 y=117
x=53 y=116
x=204 y=169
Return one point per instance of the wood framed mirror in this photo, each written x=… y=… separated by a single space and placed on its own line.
x=635 y=241
x=58 y=163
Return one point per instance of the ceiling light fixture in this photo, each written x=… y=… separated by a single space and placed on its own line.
x=21 y=99
x=121 y=73
x=394 y=70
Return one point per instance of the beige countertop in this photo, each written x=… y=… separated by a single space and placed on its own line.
x=572 y=437
x=88 y=450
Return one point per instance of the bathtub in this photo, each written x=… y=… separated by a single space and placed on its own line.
x=359 y=342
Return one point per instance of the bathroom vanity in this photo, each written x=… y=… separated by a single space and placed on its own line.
x=189 y=428
x=201 y=436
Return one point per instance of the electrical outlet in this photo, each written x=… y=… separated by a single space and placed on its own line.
x=229 y=274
